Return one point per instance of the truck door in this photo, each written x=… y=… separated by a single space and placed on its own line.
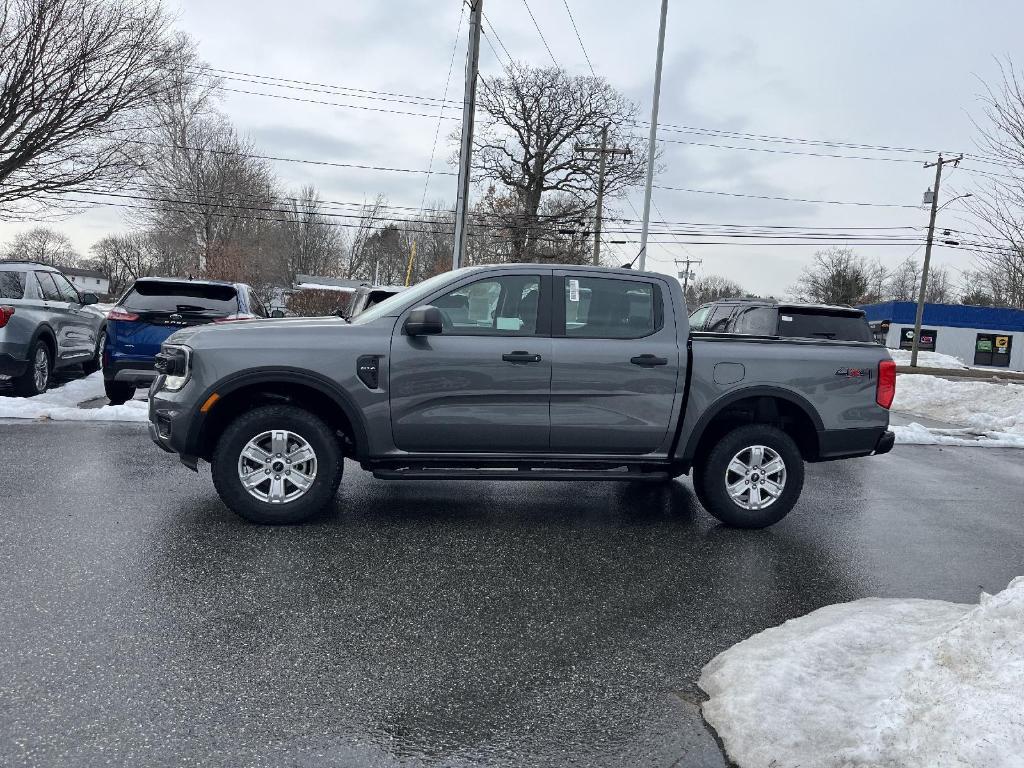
x=483 y=385
x=616 y=367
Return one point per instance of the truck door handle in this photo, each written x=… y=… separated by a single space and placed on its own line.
x=520 y=357
x=648 y=361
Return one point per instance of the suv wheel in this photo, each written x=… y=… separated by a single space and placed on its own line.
x=36 y=377
x=277 y=464
x=90 y=367
x=752 y=477
x=118 y=392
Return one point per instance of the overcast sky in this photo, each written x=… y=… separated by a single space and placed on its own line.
x=885 y=73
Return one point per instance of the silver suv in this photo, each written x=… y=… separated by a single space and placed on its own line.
x=45 y=324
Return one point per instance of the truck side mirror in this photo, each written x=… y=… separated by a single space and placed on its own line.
x=277 y=313
x=424 y=321
x=90 y=298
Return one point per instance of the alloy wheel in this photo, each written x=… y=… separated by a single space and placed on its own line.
x=41 y=369
x=755 y=477
x=277 y=466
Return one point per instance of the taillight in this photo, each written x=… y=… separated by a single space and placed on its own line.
x=886 y=390
x=120 y=313
x=5 y=314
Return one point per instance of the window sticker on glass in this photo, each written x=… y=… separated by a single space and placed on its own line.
x=786 y=318
x=574 y=290
x=509 y=324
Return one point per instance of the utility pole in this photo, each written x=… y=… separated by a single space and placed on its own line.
x=603 y=151
x=654 y=136
x=928 y=251
x=466 y=150
x=685 y=273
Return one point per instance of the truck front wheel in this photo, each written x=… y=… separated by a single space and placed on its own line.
x=752 y=477
x=277 y=464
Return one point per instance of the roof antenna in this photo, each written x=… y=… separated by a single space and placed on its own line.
x=630 y=265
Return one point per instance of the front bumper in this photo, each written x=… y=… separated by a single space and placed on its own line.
x=169 y=422
x=11 y=365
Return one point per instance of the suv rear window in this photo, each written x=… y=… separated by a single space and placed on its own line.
x=12 y=285
x=152 y=296
x=823 y=324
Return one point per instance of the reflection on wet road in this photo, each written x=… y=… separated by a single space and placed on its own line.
x=431 y=623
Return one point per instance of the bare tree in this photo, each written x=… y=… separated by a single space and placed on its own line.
x=370 y=217
x=44 y=245
x=711 y=288
x=998 y=205
x=124 y=258
x=533 y=120
x=75 y=74
x=835 y=276
x=312 y=243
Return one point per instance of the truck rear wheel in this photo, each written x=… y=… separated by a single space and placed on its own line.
x=277 y=464
x=752 y=477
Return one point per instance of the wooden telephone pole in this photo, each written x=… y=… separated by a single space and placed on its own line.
x=603 y=151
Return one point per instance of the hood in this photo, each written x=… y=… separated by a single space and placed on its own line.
x=221 y=332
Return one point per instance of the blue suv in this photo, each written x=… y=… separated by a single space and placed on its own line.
x=153 y=309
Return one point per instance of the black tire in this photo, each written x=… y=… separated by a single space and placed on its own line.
x=91 y=366
x=711 y=483
x=118 y=392
x=312 y=429
x=25 y=385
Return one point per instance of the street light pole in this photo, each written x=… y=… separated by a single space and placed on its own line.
x=653 y=137
x=928 y=252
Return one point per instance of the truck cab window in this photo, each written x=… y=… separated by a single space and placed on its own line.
x=602 y=308
x=505 y=306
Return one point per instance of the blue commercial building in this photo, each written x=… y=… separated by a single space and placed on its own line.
x=986 y=336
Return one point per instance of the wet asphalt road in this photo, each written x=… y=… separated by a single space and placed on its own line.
x=431 y=623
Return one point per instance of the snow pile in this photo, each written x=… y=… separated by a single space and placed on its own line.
x=918 y=434
x=62 y=404
x=982 y=405
x=927 y=359
x=909 y=683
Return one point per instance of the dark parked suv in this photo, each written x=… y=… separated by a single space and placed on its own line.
x=154 y=308
x=792 y=320
x=44 y=325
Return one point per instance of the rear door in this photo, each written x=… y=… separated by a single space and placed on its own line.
x=616 y=364
x=58 y=314
x=165 y=306
x=483 y=384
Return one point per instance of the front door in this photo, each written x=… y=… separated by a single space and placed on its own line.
x=617 y=365
x=483 y=384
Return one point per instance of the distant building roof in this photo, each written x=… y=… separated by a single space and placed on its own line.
x=948 y=315
x=84 y=272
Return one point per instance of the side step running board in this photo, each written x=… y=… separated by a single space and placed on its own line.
x=515 y=474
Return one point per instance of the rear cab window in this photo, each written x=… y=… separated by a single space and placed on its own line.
x=182 y=298
x=12 y=285
x=825 y=324
x=718 y=322
x=756 y=321
x=611 y=308
x=697 y=318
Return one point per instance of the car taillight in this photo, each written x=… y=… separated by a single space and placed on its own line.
x=886 y=390
x=120 y=313
x=236 y=316
x=5 y=315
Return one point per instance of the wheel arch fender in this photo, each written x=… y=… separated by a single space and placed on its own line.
x=719 y=406
x=44 y=331
x=276 y=379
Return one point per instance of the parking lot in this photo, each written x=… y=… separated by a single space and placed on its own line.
x=432 y=623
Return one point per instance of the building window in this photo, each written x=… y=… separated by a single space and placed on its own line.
x=928 y=338
x=993 y=349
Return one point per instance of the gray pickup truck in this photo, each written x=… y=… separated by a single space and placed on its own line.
x=516 y=372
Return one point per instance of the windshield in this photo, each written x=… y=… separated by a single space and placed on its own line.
x=408 y=298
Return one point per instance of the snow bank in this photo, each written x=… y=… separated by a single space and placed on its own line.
x=927 y=359
x=909 y=683
x=918 y=434
x=981 y=405
x=62 y=404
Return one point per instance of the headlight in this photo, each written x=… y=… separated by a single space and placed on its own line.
x=176 y=365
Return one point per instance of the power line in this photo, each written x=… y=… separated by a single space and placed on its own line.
x=440 y=114
x=576 y=30
x=498 y=38
x=542 y=38
x=785 y=199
